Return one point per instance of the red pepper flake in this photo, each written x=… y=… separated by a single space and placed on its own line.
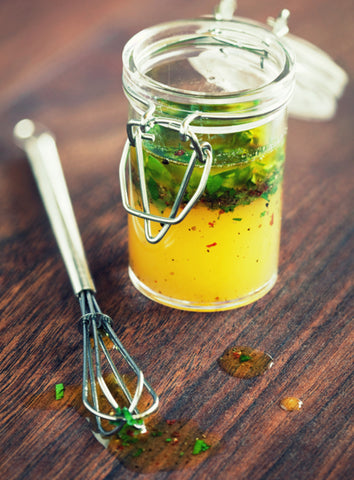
x=194 y=228
x=221 y=212
x=236 y=352
x=255 y=193
x=211 y=224
x=170 y=422
x=179 y=153
x=212 y=245
x=271 y=220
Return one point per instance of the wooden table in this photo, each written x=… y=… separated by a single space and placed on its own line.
x=60 y=63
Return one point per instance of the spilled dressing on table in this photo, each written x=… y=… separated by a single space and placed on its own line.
x=245 y=362
x=106 y=340
x=169 y=444
x=291 y=404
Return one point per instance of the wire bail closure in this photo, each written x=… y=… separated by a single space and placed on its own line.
x=137 y=131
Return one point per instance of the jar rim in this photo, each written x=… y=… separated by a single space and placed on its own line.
x=140 y=50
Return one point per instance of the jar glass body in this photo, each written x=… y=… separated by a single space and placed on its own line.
x=232 y=82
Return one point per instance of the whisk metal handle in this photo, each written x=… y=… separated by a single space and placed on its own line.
x=40 y=147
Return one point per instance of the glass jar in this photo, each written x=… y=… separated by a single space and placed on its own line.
x=201 y=172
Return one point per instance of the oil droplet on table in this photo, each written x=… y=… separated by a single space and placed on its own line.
x=245 y=362
x=106 y=340
x=290 y=404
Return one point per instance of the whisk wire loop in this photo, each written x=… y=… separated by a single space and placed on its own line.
x=88 y=370
x=96 y=326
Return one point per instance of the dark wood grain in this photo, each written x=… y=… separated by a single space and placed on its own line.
x=60 y=63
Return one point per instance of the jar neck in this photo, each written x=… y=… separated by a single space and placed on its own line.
x=202 y=122
x=253 y=55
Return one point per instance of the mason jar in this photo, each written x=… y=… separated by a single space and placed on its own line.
x=202 y=169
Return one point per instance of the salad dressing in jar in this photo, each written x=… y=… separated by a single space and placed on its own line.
x=201 y=172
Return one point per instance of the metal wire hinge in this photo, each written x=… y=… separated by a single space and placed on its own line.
x=280 y=24
x=137 y=132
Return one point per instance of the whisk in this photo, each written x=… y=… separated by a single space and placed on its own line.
x=98 y=394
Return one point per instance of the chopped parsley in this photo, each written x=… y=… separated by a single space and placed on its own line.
x=128 y=417
x=130 y=430
x=138 y=452
x=128 y=435
x=246 y=166
x=200 y=446
x=244 y=358
x=59 y=391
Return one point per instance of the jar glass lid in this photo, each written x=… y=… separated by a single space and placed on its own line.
x=319 y=81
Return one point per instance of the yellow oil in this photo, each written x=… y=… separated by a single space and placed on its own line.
x=212 y=260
